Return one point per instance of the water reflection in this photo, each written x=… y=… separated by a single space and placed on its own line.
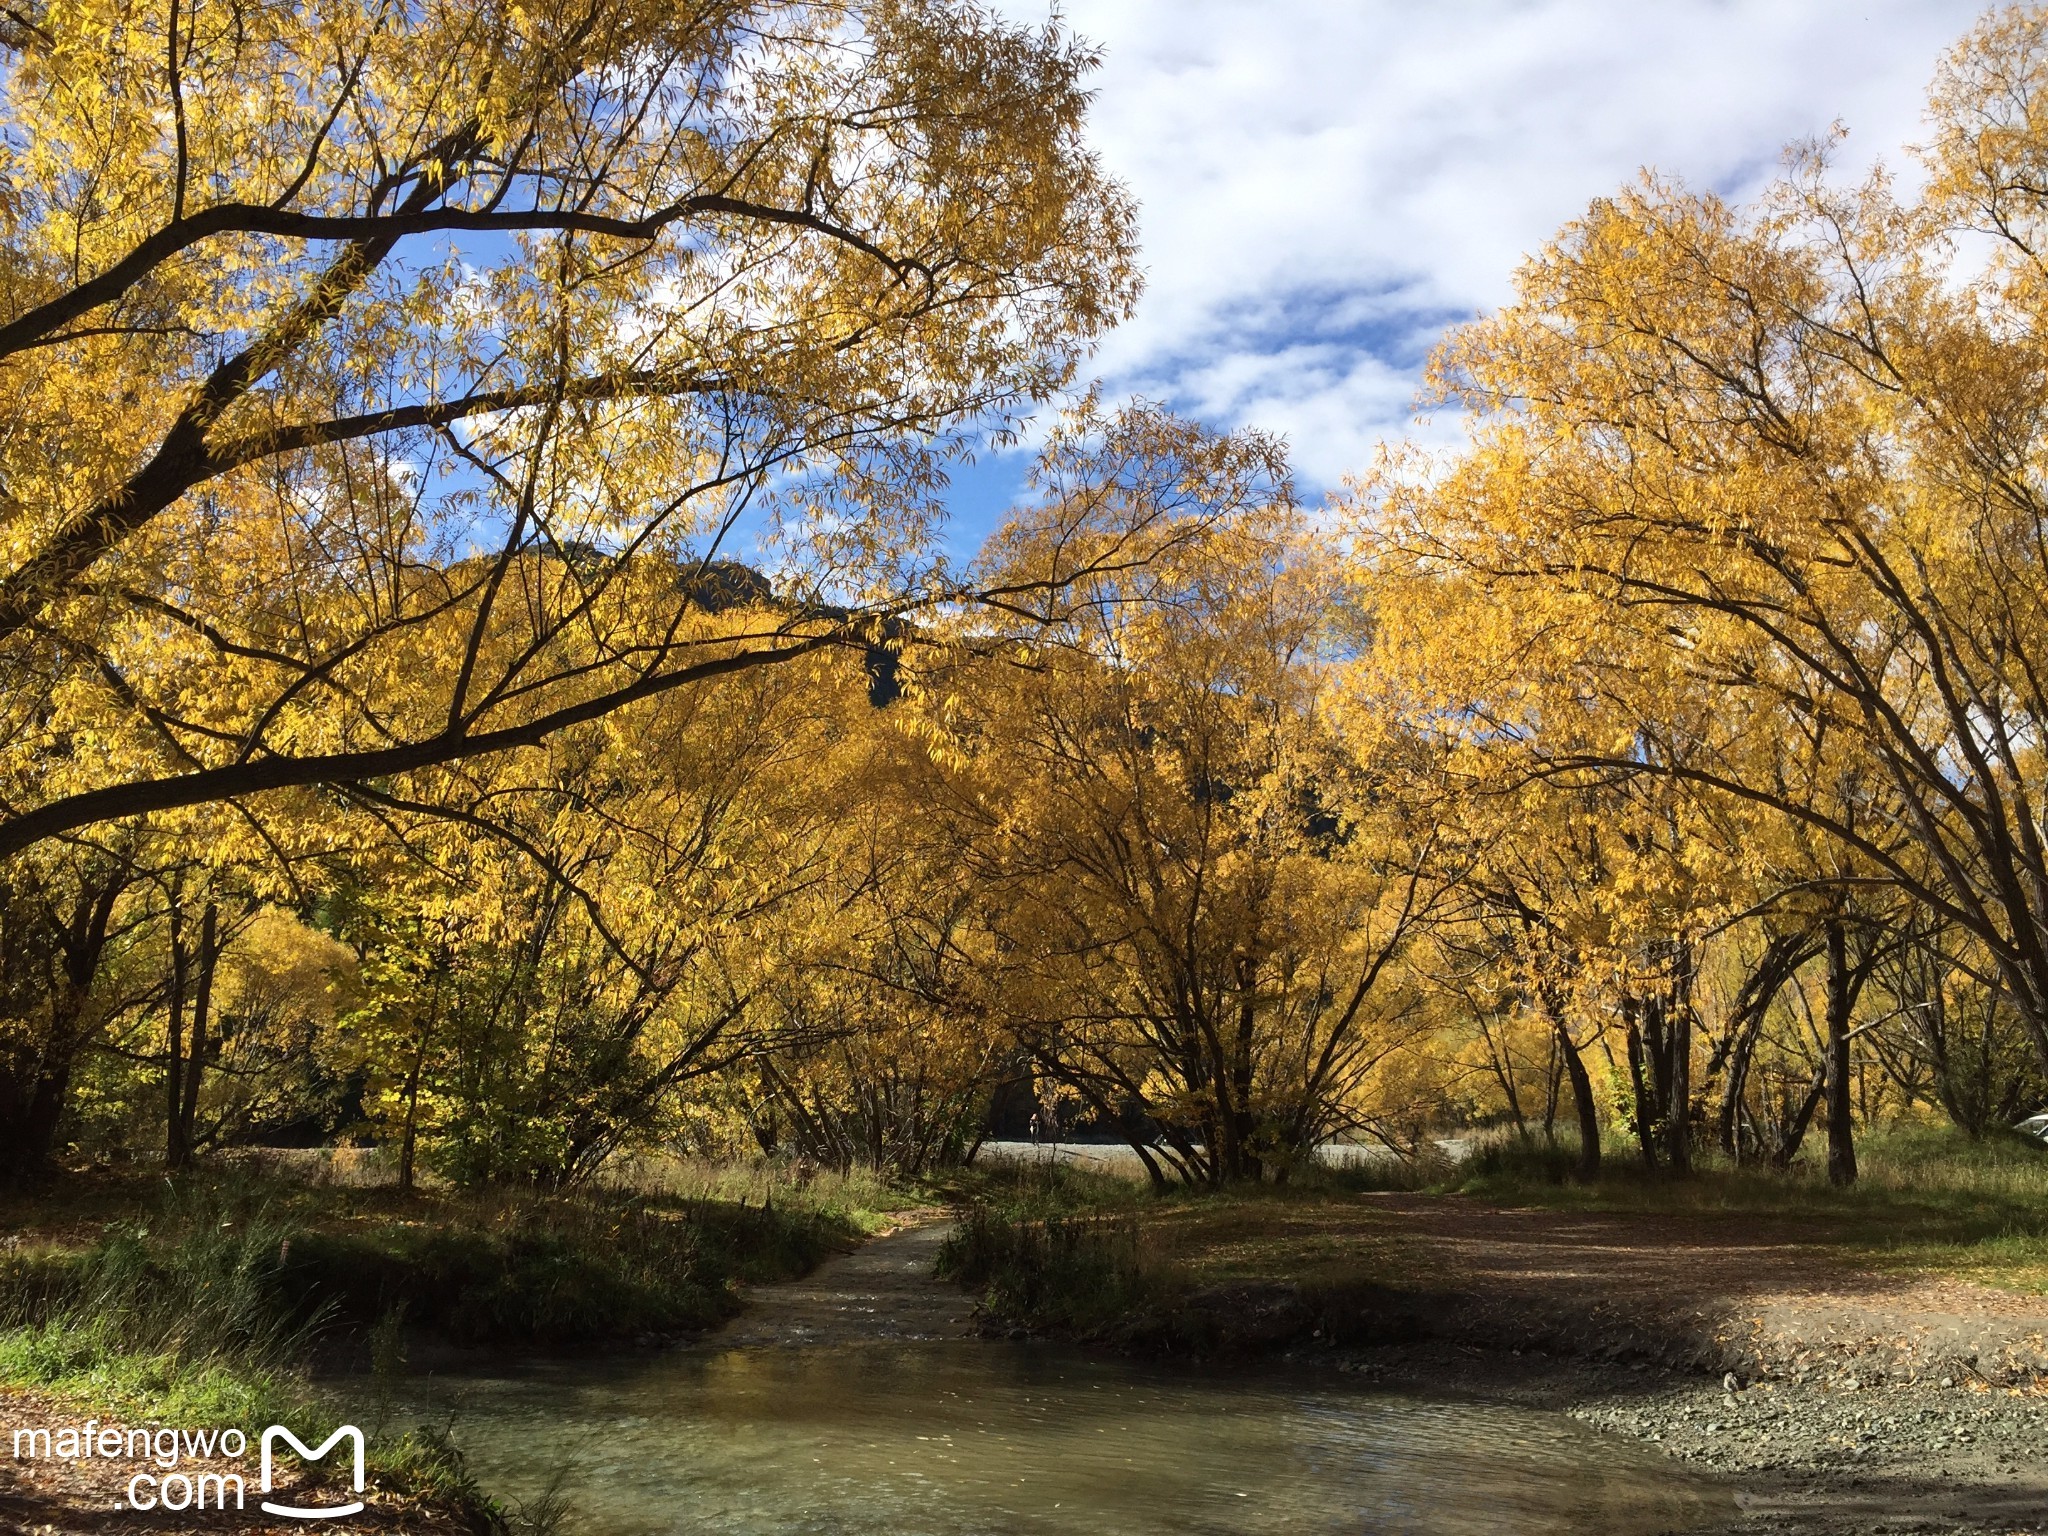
x=946 y=1439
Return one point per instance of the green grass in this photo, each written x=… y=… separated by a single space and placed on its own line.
x=190 y=1322
x=860 y=1196
x=663 y=1255
x=1188 y=1271
x=560 y=1271
x=1075 y=1275
x=1054 y=1248
x=1061 y=1250
x=1033 y=1191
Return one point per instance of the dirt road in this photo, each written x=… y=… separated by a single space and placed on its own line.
x=882 y=1291
x=1717 y=1293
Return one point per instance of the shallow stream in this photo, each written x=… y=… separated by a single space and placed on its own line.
x=854 y=1403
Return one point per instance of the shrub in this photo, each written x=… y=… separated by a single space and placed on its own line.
x=1067 y=1272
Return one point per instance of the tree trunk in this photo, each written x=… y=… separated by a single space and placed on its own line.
x=1553 y=1079
x=185 y=1082
x=1795 y=1133
x=1582 y=1087
x=1660 y=1062
x=1729 y=1119
x=36 y=1066
x=408 y=1145
x=174 y=1041
x=1678 y=1064
x=1842 y=990
x=1645 y=1110
x=1243 y=1128
x=1735 y=1055
x=1502 y=1065
x=1737 y=1084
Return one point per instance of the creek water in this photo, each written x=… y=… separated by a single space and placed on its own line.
x=853 y=1403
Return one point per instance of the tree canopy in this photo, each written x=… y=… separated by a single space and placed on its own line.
x=476 y=676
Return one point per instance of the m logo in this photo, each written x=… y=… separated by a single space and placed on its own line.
x=278 y=1432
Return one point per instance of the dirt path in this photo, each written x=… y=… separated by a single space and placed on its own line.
x=882 y=1291
x=1716 y=1293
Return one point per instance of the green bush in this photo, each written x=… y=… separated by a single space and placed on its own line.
x=1519 y=1160
x=1075 y=1273
x=556 y=1272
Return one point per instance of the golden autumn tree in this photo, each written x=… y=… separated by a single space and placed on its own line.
x=382 y=382
x=1200 y=882
x=880 y=1041
x=386 y=387
x=558 y=943
x=1789 y=456
x=1613 y=888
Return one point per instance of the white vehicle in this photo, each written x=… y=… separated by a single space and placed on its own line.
x=2035 y=1126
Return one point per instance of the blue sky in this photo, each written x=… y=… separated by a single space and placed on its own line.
x=1327 y=184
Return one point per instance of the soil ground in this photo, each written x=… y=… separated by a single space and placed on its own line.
x=1720 y=1292
x=881 y=1292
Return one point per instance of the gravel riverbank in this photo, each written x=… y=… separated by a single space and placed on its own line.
x=1918 y=1457
x=1804 y=1458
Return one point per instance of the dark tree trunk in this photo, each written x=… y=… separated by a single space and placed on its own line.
x=1780 y=961
x=1843 y=986
x=174 y=1040
x=1729 y=1120
x=36 y=1064
x=185 y=1095
x=1677 y=1084
x=1645 y=1108
x=1553 y=1079
x=1245 y=1162
x=1583 y=1104
x=409 y=1140
x=408 y=1145
x=1795 y=1130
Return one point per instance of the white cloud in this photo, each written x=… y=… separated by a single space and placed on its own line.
x=1326 y=185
